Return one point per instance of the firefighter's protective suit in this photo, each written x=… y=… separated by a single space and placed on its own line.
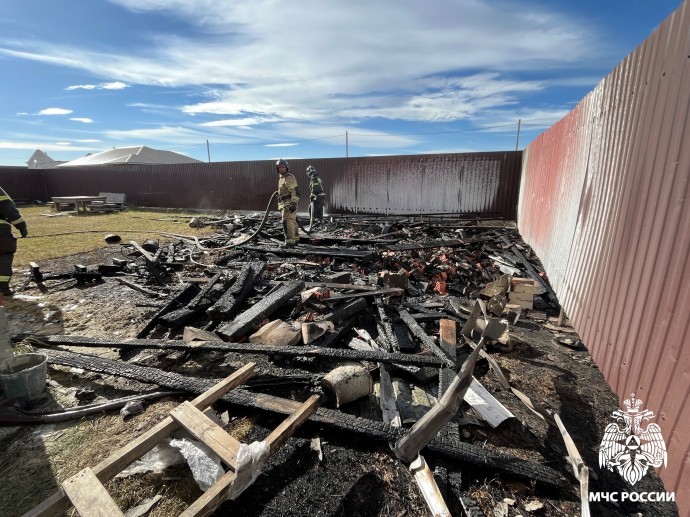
x=9 y=216
x=317 y=196
x=288 y=196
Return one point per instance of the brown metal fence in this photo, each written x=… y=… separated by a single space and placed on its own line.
x=481 y=184
x=604 y=203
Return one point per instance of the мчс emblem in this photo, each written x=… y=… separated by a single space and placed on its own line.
x=632 y=444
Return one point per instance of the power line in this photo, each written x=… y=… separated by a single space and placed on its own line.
x=436 y=132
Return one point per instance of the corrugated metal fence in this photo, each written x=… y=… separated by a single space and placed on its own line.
x=604 y=203
x=480 y=184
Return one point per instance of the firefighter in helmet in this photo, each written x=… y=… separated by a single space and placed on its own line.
x=316 y=194
x=288 y=196
x=9 y=216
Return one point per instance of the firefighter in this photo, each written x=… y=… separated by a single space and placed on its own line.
x=288 y=196
x=316 y=194
x=9 y=216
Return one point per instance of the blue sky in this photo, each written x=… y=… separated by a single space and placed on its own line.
x=262 y=79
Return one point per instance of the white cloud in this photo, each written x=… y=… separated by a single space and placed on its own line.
x=388 y=59
x=55 y=111
x=117 y=85
x=33 y=145
x=274 y=73
x=238 y=122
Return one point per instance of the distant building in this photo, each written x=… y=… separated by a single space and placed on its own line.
x=40 y=160
x=140 y=155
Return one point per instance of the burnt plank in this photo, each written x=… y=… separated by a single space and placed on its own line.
x=249 y=348
x=469 y=453
x=447 y=243
x=231 y=300
x=429 y=343
x=302 y=251
x=180 y=300
x=250 y=318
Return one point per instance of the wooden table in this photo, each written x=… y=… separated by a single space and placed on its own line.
x=77 y=201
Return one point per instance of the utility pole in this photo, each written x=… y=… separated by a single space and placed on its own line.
x=517 y=142
x=208 y=150
x=347 y=152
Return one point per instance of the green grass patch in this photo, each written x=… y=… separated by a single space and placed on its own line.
x=59 y=236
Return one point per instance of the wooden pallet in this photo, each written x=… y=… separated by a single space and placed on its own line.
x=85 y=490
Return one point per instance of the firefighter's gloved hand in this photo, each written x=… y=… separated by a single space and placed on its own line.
x=22 y=229
x=293 y=207
x=312 y=198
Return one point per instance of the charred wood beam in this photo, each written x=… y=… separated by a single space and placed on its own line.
x=150 y=262
x=425 y=316
x=347 y=311
x=392 y=291
x=302 y=251
x=230 y=302
x=248 y=348
x=461 y=451
x=346 y=240
x=385 y=328
x=448 y=243
x=401 y=338
x=80 y=276
x=179 y=317
x=250 y=318
x=196 y=307
x=139 y=288
x=331 y=285
x=426 y=340
x=427 y=427
x=205 y=291
x=181 y=299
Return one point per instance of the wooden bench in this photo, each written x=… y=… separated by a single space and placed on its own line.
x=114 y=202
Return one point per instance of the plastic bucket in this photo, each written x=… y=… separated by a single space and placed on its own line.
x=24 y=376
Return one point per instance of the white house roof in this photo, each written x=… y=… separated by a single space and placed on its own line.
x=131 y=155
x=40 y=160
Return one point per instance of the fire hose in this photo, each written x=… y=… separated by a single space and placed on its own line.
x=261 y=225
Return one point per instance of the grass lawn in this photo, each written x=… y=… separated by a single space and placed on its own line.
x=52 y=237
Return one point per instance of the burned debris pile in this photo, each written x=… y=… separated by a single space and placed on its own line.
x=397 y=323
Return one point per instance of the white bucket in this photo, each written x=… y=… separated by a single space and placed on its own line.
x=24 y=376
x=347 y=383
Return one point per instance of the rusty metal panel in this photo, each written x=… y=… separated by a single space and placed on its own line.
x=604 y=203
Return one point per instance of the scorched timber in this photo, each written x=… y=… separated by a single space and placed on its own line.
x=303 y=251
x=250 y=318
x=425 y=339
x=461 y=451
x=248 y=348
x=230 y=302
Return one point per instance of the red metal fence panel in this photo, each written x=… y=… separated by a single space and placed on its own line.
x=604 y=203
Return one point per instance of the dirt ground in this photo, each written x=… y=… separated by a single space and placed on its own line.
x=320 y=471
